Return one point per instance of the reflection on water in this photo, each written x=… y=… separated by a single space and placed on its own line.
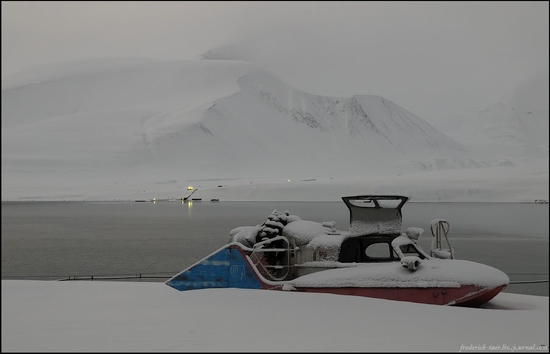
x=58 y=239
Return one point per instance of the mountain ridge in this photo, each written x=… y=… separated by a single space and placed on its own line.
x=161 y=121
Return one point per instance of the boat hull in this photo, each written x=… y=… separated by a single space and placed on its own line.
x=467 y=295
x=231 y=267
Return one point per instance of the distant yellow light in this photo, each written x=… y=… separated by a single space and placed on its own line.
x=189 y=188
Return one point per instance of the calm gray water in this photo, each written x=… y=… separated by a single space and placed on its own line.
x=54 y=240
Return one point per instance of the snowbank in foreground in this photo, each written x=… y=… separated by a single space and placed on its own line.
x=126 y=316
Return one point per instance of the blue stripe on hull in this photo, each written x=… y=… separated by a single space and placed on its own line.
x=224 y=269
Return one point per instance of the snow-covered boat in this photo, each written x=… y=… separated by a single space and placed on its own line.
x=374 y=258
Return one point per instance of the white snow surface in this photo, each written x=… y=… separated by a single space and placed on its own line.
x=131 y=128
x=244 y=234
x=105 y=316
x=450 y=273
x=125 y=129
x=306 y=231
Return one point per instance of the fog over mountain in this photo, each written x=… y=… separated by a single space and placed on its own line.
x=516 y=128
x=141 y=128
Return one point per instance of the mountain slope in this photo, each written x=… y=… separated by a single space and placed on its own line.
x=292 y=130
x=134 y=125
x=517 y=128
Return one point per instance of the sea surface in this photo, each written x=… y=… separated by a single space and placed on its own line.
x=153 y=241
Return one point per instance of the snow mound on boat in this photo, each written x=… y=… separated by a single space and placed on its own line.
x=449 y=273
x=244 y=234
x=305 y=231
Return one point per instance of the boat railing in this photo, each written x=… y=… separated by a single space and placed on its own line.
x=439 y=249
x=275 y=272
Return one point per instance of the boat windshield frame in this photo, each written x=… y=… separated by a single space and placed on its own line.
x=375 y=214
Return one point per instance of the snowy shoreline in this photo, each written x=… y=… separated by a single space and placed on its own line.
x=144 y=317
x=419 y=189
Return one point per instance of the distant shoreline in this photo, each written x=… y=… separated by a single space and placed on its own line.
x=37 y=200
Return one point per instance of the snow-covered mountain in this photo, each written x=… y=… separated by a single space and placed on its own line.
x=515 y=129
x=121 y=128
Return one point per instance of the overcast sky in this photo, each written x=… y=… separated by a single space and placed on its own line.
x=432 y=58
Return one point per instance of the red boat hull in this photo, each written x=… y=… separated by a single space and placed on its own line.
x=467 y=295
x=224 y=266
